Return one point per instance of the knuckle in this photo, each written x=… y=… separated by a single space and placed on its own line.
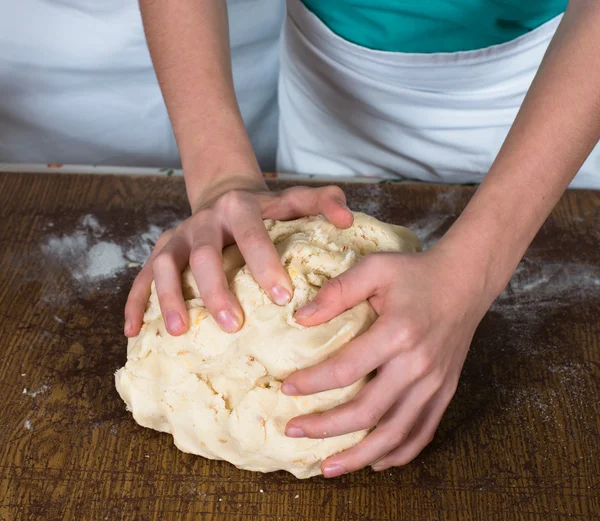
x=333 y=289
x=333 y=192
x=298 y=197
x=254 y=237
x=168 y=299
x=288 y=196
x=343 y=374
x=161 y=262
x=405 y=336
x=437 y=377
x=423 y=363
x=203 y=215
x=265 y=273
x=368 y=415
x=201 y=255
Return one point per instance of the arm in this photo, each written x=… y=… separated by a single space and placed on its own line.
x=429 y=304
x=189 y=44
x=554 y=132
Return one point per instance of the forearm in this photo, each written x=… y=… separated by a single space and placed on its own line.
x=189 y=45
x=556 y=129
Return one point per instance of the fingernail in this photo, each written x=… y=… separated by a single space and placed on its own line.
x=294 y=432
x=378 y=468
x=174 y=321
x=228 y=321
x=128 y=326
x=289 y=389
x=307 y=310
x=334 y=470
x=280 y=295
x=343 y=205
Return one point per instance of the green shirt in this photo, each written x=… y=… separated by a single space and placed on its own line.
x=427 y=26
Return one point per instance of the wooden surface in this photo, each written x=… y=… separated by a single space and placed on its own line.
x=520 y=441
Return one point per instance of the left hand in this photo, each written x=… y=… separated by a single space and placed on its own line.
x=429 y=305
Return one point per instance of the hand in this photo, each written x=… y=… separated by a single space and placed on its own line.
x=226 y=214
x=428 y=310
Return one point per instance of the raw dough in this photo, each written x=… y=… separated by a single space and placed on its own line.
x=218 y=394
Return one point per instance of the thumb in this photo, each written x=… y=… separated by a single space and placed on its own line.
x=340 y=294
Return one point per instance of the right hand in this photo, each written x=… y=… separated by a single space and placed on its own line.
x=230 y=215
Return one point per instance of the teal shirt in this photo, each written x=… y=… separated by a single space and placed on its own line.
x=427 y=26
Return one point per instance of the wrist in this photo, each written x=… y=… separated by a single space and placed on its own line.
x=205 y=187
x=217 y=161
x=466 y=273
x=484 y=252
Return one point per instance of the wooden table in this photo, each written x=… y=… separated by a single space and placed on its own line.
x=520 y=441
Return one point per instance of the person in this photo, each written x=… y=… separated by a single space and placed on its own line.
x=502 y=92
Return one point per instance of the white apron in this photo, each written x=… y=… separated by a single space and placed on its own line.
x=348 y=110
x=77 y=84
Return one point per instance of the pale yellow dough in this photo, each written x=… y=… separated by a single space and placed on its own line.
x=219 y=394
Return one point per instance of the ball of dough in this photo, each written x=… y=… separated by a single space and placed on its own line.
x=219 y=394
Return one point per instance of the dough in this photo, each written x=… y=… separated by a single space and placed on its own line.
x=218 y=394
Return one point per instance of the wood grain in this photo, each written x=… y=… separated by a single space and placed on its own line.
x=519 y=442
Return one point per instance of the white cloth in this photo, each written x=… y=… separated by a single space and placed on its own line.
x=348 y=110
x=77 y=84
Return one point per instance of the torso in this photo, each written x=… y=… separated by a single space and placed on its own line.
x=417 y=26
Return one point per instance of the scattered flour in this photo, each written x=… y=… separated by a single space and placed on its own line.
x=27 y=424
x=91 y=258
x=548 y=284
x=519 y=400
x=39 y=391
x=89 y=221
x=429 y=229
x=373 y=199
x=139 y=252
x=103 y=260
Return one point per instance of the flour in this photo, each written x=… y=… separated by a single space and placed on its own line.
x=33 y=394
x=104 y=260
x=92 y=257
x=548 y=284
x=90 y=222
x=27 y=424
x=429 y=229
x=139 y=252
x=373 y=199
x=67 y=247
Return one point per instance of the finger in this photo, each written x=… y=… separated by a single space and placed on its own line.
x=421 y=435
x=355 y=361
x=140 y=291
x=206 y=263
x=362 y=412
x=137 y=301
x=167 y=267
x=342 y=293
x=261 y=257
x=300 y=201
x=393 y=429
